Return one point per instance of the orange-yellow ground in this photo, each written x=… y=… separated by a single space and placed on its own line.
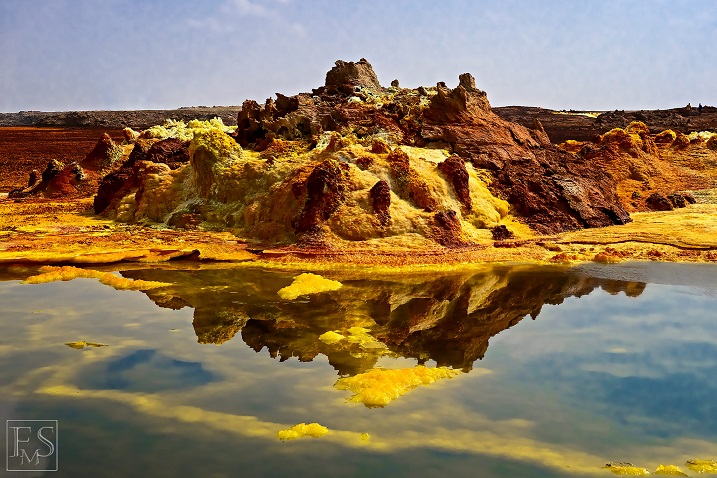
x=54 y=232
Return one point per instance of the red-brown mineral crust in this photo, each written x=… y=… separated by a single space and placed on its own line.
x=554 y=191
x=171 y=151
x=325 y=191
x=111 y=186
x=658 y=202
x=447 y=230
x=455 y=170
x=408 y=184
x=380 y=195
x=98 y=157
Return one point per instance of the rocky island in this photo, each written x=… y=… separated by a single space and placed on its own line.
x=355 y=172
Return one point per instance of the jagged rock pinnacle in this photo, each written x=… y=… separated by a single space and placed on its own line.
x=350 y=74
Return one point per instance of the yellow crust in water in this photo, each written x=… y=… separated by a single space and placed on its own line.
x=331 y=337
x=627 y=470
x=702 y=466
x=671 y=470
x=378 y=387
x=302 y=430
x=65 y=273
x=308 y=283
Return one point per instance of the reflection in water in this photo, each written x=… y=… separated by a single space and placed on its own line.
x=446 y=318
x=623 y=373
x=127 y=373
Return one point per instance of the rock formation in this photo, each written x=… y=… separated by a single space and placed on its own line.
x=652 y=172
x=355 y=161
x=76 y=179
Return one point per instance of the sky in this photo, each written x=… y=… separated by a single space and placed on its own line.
x=58 y=55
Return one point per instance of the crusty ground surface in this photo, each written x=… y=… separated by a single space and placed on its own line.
x=52 y=232
x=45 y=231
x=23 y=149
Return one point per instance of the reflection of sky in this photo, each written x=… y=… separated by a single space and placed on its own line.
x=591 y=380
x=647 y=363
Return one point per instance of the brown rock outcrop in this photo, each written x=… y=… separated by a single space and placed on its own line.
x=99 y=157
x=447 y=230
x=553 y=191
x=658 y=202
x=171 y=151
x=408 y=184
x=111 y=186
x=380 y=195
x=455 y=170
x=325 y=189
x=347 y=76
x=56 y=180
x=712 y=142
x=677 y=200
x=501 y=233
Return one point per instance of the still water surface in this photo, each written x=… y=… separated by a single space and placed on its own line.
x=563 y=370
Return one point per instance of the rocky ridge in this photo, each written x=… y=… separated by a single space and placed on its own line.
x=137 y=119
x=588 y=125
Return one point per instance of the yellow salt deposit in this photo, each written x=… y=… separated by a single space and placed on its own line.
x=378 y=387
x=701 y=135
x=669 y=470
x=331 y=337
x=308 y=283
x=302 y=430
x=702 y=466
x=626 y=469
x=362 y=337
x=186 y=131
x=66 y=273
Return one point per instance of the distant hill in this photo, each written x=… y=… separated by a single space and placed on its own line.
x=560 y=125
x=585 y=125
x=136 y=119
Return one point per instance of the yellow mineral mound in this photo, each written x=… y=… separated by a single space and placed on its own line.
x=302 y=430
x=184 y=131
x=331 y=337
x=308 y=283
x=666 y=137
x=702 y=466
x=626 y=469
x=712 y=142
x=670 y=470
x=344 y=189
x=66 y=273
x=635 y=137
x=378 y=387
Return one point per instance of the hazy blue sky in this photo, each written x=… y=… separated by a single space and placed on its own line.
x=113 y=54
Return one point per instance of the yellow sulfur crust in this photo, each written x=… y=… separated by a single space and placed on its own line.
x=671 y=470
x=308 y=284
x=378 y=387
x=302 y=430
x=703 y=466
x=66 y=273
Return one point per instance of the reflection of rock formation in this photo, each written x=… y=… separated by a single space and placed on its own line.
x=220 y=327
x=449 y=318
